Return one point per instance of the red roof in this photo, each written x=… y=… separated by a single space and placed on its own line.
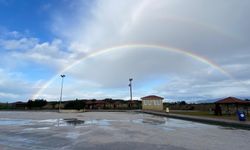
x=231 y=100
x=152 y=97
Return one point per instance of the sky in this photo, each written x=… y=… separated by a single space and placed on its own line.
x=181 y=50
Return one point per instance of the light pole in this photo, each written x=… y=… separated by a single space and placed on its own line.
x=59 y=107
x=130 y=87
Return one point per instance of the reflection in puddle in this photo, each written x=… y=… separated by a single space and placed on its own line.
x=148 y=120
x=14 y=122
x=45 y=124
x=74 y=121
x=77 y=122
x=153 y=121
x=101 y=122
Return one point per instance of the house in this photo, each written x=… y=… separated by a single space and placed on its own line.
x=230 y=105
x=152 y=102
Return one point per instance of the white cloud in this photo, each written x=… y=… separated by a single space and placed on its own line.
x=21 y=56
x=26 y=50
x=201 y=27
x=216 y=30
x=22 y=43
x=8 y=96
x=14 y=86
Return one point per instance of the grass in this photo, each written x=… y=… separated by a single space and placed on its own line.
x=207 y=114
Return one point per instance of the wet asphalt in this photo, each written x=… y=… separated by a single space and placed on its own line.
x=113 y=130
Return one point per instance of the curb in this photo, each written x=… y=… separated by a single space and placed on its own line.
x=225 y=123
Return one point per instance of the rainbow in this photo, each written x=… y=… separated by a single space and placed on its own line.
x=122 y=47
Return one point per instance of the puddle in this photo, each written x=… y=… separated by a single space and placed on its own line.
x=167 y=123
x=148 y=121
x=15 y=122
x=101 y=122
x=77 y=122
x=153 y=121
x=159 y=122
x=73 y=121
x=40 y=128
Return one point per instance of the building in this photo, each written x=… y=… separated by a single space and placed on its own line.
x=111 y=104
x=152 y=102
x=230 y=105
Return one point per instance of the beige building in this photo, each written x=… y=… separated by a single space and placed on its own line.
x=152 y=102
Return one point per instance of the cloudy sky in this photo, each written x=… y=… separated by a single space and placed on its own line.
x=181 y=50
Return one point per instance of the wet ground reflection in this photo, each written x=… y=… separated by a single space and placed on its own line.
x=153 y=121
x=14 y=122
x=149 y=120
x=74 y=121
x=87 y=130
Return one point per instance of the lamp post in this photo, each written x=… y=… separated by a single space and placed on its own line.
x=59 y=107
x=130 y=87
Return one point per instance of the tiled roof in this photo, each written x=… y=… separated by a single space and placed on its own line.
x=150 y=97
x=231 y=100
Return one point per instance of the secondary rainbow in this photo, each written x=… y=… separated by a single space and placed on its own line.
x=129 y=46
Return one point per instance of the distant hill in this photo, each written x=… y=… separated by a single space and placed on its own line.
x=207 y=100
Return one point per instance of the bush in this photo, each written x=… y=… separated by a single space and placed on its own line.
x=74 y=105
x=37 y=103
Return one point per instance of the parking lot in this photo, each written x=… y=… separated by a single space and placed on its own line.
x=22 y=130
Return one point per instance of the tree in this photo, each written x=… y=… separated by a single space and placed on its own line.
x=37 y=103
x=77 y=104
x=30 y=104
x=182 y=103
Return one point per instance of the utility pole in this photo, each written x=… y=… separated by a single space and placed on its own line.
x=130 y=87
x=59 y=107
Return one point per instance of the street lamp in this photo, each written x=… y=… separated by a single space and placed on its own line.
x=59 y=107
x=130 y=87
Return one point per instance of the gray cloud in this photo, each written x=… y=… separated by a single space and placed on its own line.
x=216 y=30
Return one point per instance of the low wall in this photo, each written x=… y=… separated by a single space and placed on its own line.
x=213 y=121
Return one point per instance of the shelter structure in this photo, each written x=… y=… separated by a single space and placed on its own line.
x=152 y=102
x=230 y=105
